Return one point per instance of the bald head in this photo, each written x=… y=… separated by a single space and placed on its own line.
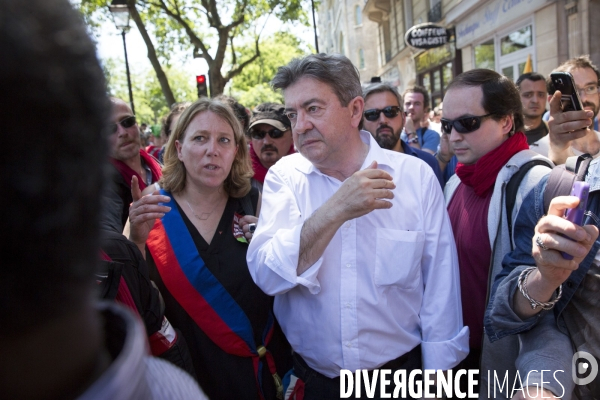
x=125 y=137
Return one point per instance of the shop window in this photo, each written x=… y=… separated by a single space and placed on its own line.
x=399 y=14
x=385 y=41
x=508 y=72
x=437 y=81
x=427 y=82
x=357 y=16
x=484 y=55
x=446 y=74
x=514 y=48
x=515 y=41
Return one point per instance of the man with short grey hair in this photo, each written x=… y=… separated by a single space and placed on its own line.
x=353 y=241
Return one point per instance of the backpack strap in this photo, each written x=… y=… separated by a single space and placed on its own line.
x=512 y=188
x=562 y=177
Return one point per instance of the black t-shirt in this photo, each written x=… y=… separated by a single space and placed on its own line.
x=536 y=134
x=222 y=375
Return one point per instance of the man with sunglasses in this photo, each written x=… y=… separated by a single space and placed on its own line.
x=416 y=105
x=270 y=139
x=483 y=118
x=128 y=158
x=384 y=118
x=573 y=133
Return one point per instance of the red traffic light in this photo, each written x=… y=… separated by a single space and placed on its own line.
x=201 y=79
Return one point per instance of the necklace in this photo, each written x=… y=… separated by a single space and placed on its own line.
x=202 y=216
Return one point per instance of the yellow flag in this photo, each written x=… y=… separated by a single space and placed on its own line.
x=528 y=65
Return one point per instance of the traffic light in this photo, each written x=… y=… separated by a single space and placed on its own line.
x=201 y=84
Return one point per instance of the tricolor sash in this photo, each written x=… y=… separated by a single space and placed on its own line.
x=203 y=297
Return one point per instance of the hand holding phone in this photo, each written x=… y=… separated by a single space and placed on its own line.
x=580 y=190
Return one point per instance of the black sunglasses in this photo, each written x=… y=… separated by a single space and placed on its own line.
x=389 y=112
x=127 y=122
x=462 y=125
x=258 y=134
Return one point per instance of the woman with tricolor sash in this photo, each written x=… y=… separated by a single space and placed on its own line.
x=196 y=232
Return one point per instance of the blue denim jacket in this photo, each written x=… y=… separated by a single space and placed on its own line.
x=500 y=320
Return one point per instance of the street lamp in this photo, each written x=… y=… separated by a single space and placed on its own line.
x=120 y=13
x=312 y=3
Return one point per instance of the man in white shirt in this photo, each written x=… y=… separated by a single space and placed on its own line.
x=353 y=241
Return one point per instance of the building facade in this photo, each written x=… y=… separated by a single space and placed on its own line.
x=494 y=34
x=343 y=29
x=501 y=34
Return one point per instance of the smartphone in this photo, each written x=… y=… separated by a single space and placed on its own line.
x=581 y=190
x=564 y=82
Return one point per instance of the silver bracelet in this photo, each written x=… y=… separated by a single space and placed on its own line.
x=534 y=303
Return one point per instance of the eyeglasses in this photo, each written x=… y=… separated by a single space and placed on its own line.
x=127 y=122
x=389 y=112
x=258 y=134
x=588 y=90
x=462 y=125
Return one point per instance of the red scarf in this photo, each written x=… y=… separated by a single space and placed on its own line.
x=482 y=175
x=128 y=173
x=260 y=171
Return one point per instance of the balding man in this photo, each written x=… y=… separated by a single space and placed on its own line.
x=128 y=157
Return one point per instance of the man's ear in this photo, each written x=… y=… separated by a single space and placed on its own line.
x=356 y=107
x=508 y=125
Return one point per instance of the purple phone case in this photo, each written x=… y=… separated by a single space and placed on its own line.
x=575 y=215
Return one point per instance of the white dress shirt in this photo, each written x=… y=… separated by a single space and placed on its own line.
x=387 y=282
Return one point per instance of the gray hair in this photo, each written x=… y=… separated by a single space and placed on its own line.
x=382 y=88
x=334 y=70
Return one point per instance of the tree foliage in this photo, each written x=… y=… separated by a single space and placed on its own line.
x=150 y=104
x=217 y=30
x=252 y=86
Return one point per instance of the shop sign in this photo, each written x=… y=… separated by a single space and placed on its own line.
x=427 y=36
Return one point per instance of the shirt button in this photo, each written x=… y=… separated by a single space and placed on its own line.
x=348 y=344
x=348 y=305
x=348 y=265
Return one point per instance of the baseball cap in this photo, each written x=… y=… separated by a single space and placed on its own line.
x=271 y=114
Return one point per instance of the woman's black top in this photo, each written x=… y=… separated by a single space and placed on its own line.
x=222 y=375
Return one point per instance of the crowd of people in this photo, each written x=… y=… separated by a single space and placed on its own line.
x=254 y=254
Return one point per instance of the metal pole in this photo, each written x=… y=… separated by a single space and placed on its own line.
x=312 y=3
x=128 y=76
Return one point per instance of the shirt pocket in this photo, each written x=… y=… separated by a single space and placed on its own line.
x=398 y=258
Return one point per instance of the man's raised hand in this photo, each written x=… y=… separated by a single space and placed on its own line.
x=365 y=191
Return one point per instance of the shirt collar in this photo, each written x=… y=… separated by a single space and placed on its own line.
x=407 y=149
x=376 y=153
